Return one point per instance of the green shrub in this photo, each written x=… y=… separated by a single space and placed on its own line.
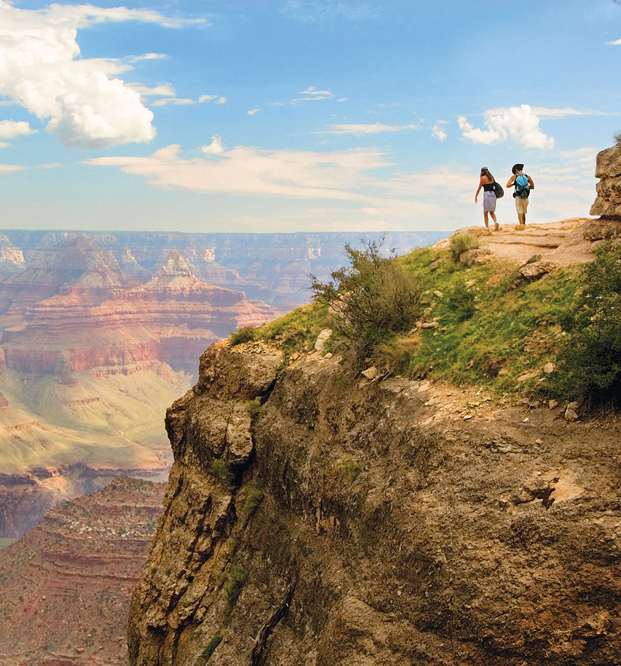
x=213 y=643
x=254 y=497
x=372 y=299
x=462 y=243
x=461 y=302
x=234 y=584
x=589 y=361
x=219 y=468
x=245 y=334
x=253 y=406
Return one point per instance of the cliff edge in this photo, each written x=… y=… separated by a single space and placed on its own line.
x=314 y=518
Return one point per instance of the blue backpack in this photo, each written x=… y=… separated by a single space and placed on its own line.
x=522 y=186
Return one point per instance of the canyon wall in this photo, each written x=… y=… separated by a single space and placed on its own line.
x=90 y=356
x=65 y=587
x=352 y=521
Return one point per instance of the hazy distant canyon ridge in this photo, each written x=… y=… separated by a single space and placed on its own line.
x=101 y=332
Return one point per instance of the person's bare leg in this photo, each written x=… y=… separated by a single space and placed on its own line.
x=496 y=227
x=485 y=219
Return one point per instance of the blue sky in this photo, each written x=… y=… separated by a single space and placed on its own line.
x=300 y=115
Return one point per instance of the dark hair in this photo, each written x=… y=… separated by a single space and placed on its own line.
x=485 y=172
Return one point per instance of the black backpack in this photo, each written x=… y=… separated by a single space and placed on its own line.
x=500 y=193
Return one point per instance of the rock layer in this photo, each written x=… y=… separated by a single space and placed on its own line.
x=348 y=521
x=65 y=587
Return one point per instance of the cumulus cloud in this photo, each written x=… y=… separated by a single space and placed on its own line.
x=617 y=42
x=10 y=129
x=253 y=171
x=363 y=129
x=83 y=102
x=215 y=147
x=519 y=124
x=438 y=131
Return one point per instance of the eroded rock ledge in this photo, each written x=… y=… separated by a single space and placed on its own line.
x=353 y=522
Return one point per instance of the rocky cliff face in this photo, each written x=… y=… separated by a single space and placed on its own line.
x=608 y=170
x=65 y=587
x=348 y=521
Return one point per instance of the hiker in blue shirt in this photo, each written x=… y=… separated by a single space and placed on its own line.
x=523 y=184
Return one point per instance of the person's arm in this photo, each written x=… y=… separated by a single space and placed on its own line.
x=530 y=182
x=511 y=182
x=478 y=189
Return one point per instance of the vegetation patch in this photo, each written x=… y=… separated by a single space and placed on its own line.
x=350 y=468
x=232 y=589
x=427 y=315
x=219 y=469
x=213 y=643
x=253 y=407
x=371 y=300
x=254 y=497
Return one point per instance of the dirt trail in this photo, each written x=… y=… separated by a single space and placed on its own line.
x=557 y=243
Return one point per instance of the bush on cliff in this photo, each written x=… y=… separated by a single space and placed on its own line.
x=371 y=300
x=589 y=360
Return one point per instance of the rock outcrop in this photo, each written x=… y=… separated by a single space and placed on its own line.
x=65 y=587
x=608 y=170
x=315 y=518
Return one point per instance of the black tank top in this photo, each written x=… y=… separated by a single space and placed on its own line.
x=488 y=187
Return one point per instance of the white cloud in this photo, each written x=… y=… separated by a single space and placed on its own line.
x=83 y=102
x=438 y=131
x=615 y=43
x=147 y=56
x=253 y=111
x=363 y=129
x=10 y=168
x=518 y=123
x=162 y=90
x=10 y=129
x=4 y=144
x=215 y=147
x=312 y=94
x=212 y=98
x=253 y=171
x=173 y=101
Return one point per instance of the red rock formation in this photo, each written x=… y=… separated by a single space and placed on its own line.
x=65 y=587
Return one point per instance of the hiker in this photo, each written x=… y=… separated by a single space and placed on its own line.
x=487 y=182
x=523 y=184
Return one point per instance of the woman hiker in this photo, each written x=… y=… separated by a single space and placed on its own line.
x=489 y=197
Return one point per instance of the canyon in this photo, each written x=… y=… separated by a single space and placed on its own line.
x=65 y=586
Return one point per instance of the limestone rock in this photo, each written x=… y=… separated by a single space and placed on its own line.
x=608 y=170
x=370 y=373
x=322 y=338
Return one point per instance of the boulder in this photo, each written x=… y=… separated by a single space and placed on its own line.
x=608 y=170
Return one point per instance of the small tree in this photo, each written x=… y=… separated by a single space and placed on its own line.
x=371 y=299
